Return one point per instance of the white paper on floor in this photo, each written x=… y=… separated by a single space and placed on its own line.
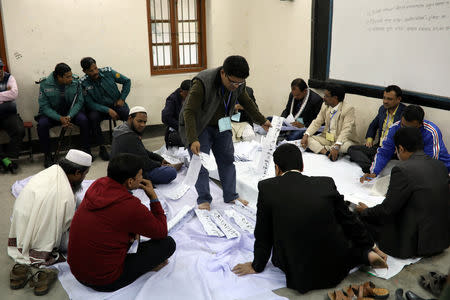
x=240 y=220
x=223 y=224
x=395 y=266
x=183 y=216
x=208 y=224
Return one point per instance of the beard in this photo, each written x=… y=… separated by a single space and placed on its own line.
x=76 y=187
x=135 y=130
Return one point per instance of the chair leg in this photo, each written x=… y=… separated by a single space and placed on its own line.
x=29 y=143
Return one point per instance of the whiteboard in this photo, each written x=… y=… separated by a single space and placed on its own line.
x=383 y=42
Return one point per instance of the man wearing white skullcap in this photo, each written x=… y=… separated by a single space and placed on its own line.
x=127 y=138
x=44 y=210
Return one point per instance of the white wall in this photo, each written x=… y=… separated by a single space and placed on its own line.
x=273 y=35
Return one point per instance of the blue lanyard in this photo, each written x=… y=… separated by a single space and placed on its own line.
x=329 y=128
x=228 y=102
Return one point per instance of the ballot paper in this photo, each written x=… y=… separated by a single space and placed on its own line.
x=208 y=225
x=189 y=181
x=297 y=143
x=171 y=159
x=380 y=186
x=223 y=224
x=370 y=201
x=184 y=215
x=395 y=266
x=245 y=210
x=289 y=119
x=269 y=144
x=240 y=220
x=207 y=161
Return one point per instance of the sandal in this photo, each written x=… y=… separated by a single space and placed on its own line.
x=433 y=282
x=358 y=294
x=19 y=276
x=337 y=295
x=42 y=280
x=369 y=289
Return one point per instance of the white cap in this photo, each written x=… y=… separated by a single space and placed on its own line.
x=79 y=157
x=137 y=109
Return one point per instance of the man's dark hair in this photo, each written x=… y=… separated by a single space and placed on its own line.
x=288 y=157
x=410 y=138
x=237 y=66
x=185 y=85
x=70 y=167
x=397 y=90
x=87 y=62
x=336 y=90
x=123 y=167
x=413 y=113
x=300 y=83
x=61 y=69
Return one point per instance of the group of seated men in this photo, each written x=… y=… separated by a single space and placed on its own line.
x=412 y=220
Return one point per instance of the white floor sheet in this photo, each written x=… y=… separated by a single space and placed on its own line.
x=201 y=266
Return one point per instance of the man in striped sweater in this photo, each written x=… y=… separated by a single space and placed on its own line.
x=413 y=116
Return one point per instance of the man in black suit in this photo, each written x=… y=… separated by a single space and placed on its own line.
x=313 y=236
x=304 y=105
x=413 y=218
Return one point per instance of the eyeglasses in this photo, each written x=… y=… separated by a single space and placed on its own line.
x=235 y=83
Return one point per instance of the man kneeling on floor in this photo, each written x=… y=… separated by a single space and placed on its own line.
x=109 y=220
x=283 y=228
x=44 y=209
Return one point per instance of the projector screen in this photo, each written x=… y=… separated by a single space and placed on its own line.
x=366 y=45
x=384 y=42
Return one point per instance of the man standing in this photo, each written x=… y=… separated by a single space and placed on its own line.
x=103 y=98
x=434 y=147
x=413 y=219
x=389 y=113
x=10 y=121
x=127 y=138
x=303 y=105
x=44 y=209
x=283 y=228
x=108 y=220
x=339 y=132
x=171 y=113
x=206 y=122
x=60 y=104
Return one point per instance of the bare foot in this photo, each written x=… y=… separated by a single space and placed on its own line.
x=245 y=202
x=160 y=266
x=376 y=261
x=204 y=205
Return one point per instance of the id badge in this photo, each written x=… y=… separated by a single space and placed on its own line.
x=236 y=117
x=300 y=120
x=329 y=136
x=224 y=124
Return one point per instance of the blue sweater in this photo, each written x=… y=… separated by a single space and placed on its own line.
x=432 y=141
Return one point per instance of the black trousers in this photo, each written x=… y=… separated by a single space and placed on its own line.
x=149 y=255
x=363 y=156
x=13 y=125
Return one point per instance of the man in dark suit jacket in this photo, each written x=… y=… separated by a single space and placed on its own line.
x=304 y=105
x=171 y=113
x=413 y=219
x=307 y=231
x=389 y=113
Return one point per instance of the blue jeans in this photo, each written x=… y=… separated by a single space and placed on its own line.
x=222 y=147
x=96 y=117
x=295 y=135
x=45 y=123
x=162 y=175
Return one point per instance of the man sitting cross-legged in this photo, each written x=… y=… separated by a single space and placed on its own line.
x=108 y=220
x=307 y=230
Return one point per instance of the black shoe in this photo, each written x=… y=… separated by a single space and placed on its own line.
x=48 y=160
x=103 y=153
x=399 y=294
x=411 y=296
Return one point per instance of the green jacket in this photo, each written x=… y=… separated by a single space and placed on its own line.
x=49 y=98
x=101 y=94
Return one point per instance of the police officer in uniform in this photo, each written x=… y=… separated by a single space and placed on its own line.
x=61 y=104
x=103 y=98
